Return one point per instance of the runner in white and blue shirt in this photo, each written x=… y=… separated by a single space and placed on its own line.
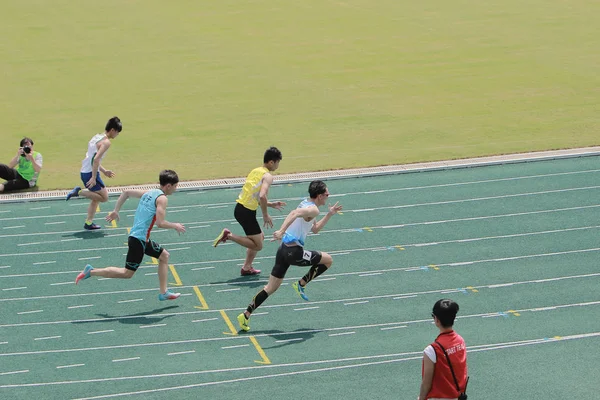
x=293 y=233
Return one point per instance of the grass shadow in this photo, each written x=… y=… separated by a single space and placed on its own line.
x=252 y=281
x=83 y=234
x=142 y=318
x=297 y=336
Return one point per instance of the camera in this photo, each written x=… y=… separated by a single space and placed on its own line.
x=26 y=150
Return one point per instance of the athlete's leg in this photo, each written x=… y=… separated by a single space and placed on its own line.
x=252 y=242
x=163 y=270
x=250 y=256
x=270 y=288
x=113 y=272
x=318 y=269
x=275 y=279
x=96 y=198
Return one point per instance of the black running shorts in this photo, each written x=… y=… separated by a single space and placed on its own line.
x=137 y=249
x=293 y=255
x=247 y=219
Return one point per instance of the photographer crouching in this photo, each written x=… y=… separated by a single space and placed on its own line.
x=23 y=170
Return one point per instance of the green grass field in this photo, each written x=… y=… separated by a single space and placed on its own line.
x=204 y=87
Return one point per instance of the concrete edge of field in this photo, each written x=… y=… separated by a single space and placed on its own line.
x=334 y=174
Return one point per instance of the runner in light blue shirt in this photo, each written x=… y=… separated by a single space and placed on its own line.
x=150 y=211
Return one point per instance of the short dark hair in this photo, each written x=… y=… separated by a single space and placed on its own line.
x=316 y=188
x=114 y=123
x=272 y=154
x=445 y=311
x=167 y=176
x=25 y=140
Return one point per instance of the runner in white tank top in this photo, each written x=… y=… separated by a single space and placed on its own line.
x=293 y=232
x=94 y=188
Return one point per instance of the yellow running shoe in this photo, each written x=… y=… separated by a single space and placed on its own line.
x=243 y=321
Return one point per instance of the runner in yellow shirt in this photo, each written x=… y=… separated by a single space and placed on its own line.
x=254 y=195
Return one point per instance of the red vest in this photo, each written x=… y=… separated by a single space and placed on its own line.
x=443 y=386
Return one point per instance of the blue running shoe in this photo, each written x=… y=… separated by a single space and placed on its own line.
x=300 y=290
x=168 y=295
x=74 y=192
x=91 y=227
x=85 y=274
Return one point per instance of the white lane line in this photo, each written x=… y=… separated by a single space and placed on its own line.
x=543 y=309
x=181 y=352
x=129 y=301
x=371 y=274
x=152 y=326
x=256 y=314
x=342 y=333
x=14 y=227
x=62 y=283
x=404 y=297
x=48 y=338
x=177 y=211
x=223 y=206
x=180 y=248
x=4 y=266
x=3 y=342
x=97 y=332
x=202 y=268
x=16 y=288
x=40 y=208
x=23 y=371
x=69 y=240
x=356 y=302
x=81 y=306
x=55 y=223
x=30 y=312
x=235 y=347
x=289 y=340
x=199 y=226
x=89 y=258
x=204 y=320
x=151 y=273
x=44 y=262
x=393 y=327
x=126 y=359
x=306 y=308
x=70 y=366
x=227 y=290
x=324 y=279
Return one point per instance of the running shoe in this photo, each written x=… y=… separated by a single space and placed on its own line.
x=300 y=290
x=74 y=192
x=251 y=271
x=91 y=227
x=168 y=295
x=85 y=274
x=243 y=321
x=222 y=238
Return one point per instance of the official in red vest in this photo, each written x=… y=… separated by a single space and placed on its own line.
x=444 y=367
